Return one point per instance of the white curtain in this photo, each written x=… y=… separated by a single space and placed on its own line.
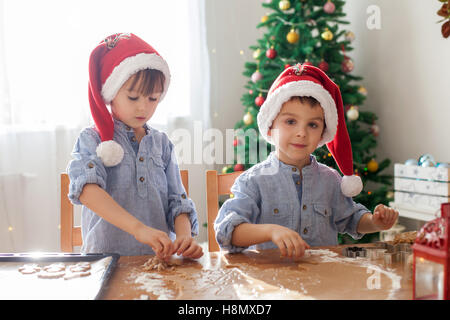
x=44 y=53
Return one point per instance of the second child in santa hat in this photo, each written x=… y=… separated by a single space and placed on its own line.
x=291 y=201
x=123 y=171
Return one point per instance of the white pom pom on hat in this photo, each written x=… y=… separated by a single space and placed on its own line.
x=310 y=81
x=111 y=64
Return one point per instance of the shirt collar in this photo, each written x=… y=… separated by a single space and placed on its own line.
x=274 y=161
x=122 y=127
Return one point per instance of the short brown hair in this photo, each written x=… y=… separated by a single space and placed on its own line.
x=147 y=79
x=308 y=100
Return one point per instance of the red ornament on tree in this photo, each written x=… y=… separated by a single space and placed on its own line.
x=347 y=65
x=259 y=101
x=271 y=53
x=286 y=66
x=324 y=66
x=307 y=63
x=235 y=142
x=239 y=167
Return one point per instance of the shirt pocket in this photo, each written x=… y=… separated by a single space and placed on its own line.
x=322 y=219
x=120 y=176
x=280 y=214
x=157 y=172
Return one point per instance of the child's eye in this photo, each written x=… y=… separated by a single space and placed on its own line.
x=152 y=99
x=290 y=121
x=133 y=98
x=313 y=125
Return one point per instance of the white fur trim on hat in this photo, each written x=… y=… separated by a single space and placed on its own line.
x=130 y=66
x=351 y=185
x=110 y=152
x=272 y=106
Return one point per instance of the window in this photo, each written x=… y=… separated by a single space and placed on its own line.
x=45 y=51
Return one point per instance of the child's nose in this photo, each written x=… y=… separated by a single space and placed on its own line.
x=301 y=132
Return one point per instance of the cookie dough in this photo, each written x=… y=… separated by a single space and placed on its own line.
x=406 y=237
x=29 y=268
x=154 y=263
x=80 y=267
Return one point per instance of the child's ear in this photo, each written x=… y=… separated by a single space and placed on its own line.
x=269 y=132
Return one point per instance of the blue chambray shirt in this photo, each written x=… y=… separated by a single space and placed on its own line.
x=146 y=183
x=275 y=193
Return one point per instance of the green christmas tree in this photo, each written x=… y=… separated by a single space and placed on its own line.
x=310 y=31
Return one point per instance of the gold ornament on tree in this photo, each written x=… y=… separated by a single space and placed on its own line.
x=327 y=35
x=293 y=36
x=248 y=118
x=372 y=166
x=284 y=5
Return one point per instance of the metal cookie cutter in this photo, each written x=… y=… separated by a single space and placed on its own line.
x=395 y=253
x=353 y=252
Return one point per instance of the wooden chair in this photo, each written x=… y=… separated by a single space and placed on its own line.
x=216 y=185
x=70 y=234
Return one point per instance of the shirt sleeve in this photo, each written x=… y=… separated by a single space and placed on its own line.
x=85 y=167
x=179 y=202
x=347 y=213
x=242 y=208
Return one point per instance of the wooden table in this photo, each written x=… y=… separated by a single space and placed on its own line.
x=322 y=274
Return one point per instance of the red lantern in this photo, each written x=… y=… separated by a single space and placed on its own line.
x=259 y=101
x=239 y=167
x=431 y=274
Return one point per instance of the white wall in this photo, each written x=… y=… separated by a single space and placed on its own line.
x=406 y=70
x=405 y=66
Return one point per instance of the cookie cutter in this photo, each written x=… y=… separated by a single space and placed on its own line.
x=396 y=253
x=389 y=253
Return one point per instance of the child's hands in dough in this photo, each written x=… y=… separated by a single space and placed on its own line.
x=157 y=239
x=187 y=246
x=289 y=242
x=384 y=217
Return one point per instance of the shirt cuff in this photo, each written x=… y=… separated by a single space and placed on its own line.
x=354 y=224
x=77 y=183
x=181 y=205
x=224 y=231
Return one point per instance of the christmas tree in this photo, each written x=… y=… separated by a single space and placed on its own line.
x=310 y=31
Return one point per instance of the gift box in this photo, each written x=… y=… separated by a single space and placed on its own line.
x=421 y=187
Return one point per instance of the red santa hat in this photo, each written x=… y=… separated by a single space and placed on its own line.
x=307 y=80
x=111 y=64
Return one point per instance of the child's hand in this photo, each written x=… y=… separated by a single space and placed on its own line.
x=188 y=247
x=157 y=239
x=384 y=217
x=289 y=242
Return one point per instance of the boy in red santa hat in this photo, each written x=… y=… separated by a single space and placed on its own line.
x=291 y=201
x=124 y=172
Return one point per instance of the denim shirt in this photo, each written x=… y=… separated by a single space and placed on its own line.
x=273 y=192
x=147 y=184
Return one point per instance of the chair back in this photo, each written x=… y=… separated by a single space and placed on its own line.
x=216 y=185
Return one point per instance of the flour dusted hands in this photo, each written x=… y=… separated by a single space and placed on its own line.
x=157 y=239
x=384 y=217
x=187 y=247
x=288 y=241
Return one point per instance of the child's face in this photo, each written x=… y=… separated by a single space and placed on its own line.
x=297 y=131
x=132 y=108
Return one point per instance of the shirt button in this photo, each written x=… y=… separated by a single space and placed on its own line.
x=298 y=182
x=305 y=231
x=275 y=210
x=90 y=165
x=294 y=169
x=128 y=128
x=142 y=179
x=183 y=196
x=141 y=159
x=133 y=139
x=304 y=207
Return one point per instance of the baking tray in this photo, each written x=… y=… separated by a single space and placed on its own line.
x=9 y=262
